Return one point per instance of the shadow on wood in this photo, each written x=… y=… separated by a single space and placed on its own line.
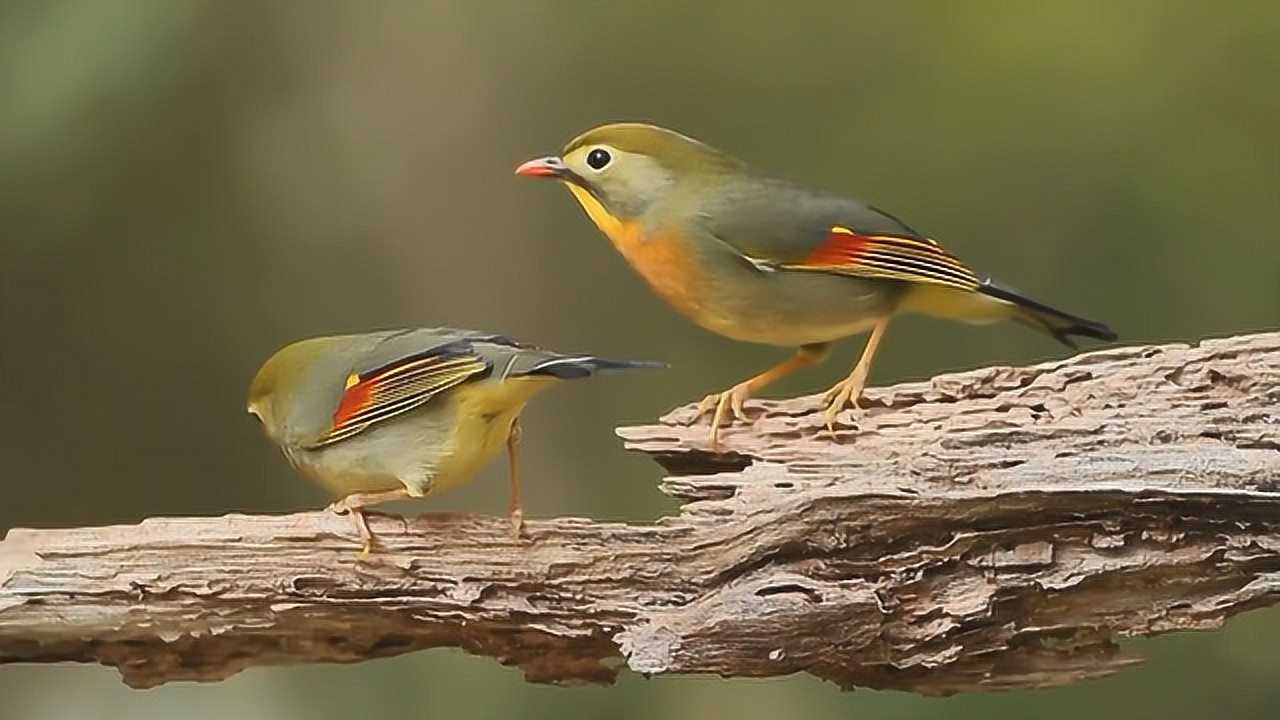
x=990 y=529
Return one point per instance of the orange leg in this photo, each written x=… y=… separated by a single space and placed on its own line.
x=355 y=505
x=513 y=456
x=849 y=390
x=732 y=400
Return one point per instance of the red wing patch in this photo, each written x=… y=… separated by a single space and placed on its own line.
x=890 y=257
x=395 y=389
x=842 y=247
x=357 y=397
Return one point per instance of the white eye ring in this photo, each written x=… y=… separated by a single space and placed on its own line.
x=598 y=158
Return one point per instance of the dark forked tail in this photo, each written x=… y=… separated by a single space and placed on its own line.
x=1041 y=317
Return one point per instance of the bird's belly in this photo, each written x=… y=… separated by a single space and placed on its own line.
x=406 y=452
x=726 y=294
x=786 y=308
x=356 y=467
x=476 y=442
x=439 y=446
x=485 y=412
x=796 y=332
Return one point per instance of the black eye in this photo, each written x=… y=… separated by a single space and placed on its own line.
x=598 y=158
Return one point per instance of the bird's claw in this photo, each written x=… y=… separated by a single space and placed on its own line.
x=367 y=540
x=720 y=405
x=706 y=406
x=517 y=525
x=847 y=392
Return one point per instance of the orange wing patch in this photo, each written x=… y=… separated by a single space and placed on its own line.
x=395 y=389
x=890 y=257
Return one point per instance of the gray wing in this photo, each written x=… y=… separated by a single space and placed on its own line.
x=391 y=373
x=394 y=346
x=778 y=226
x=775 y=221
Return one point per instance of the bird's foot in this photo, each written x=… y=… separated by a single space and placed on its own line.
x=517 y=525
x=843 y=394
x=349 y=505
x=720 y=405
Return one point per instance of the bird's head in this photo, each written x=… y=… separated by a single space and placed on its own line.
x=287 y=380
x=261 y=394
x=619 y=171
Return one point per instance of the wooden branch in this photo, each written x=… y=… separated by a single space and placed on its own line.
x=989 y=529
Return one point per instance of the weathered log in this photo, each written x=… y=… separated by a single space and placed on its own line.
x=988 y=529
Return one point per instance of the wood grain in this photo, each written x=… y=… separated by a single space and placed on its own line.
x=989 y=529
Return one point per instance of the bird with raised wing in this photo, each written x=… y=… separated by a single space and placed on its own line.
x=399 y=414
x=759 y=259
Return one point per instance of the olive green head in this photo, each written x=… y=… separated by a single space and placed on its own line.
x=287 y=383
x=626 y=167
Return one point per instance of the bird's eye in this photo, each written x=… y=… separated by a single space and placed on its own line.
x=597 y=159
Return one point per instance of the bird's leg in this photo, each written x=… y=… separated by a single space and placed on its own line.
x=849 y=390
x=732 y=400
x=355 y=504
x=513 y=458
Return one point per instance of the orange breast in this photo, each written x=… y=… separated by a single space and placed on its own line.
x=666 y=264
x=662 y=259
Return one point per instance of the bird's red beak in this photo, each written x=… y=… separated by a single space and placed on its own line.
x=550 y=166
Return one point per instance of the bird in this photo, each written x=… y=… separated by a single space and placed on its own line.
x=761 y=259
x=395 y=414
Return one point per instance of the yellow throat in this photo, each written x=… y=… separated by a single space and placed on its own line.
x=611 y=226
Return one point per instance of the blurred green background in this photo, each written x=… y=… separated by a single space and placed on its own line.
x=186 y=186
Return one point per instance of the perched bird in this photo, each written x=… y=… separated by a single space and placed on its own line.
x=759 y=259
x=403 y=413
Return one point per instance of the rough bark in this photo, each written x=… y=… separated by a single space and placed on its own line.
x=989 y=529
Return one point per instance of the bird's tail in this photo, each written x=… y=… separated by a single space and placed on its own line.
x=572 y=367
x=1041 y=317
